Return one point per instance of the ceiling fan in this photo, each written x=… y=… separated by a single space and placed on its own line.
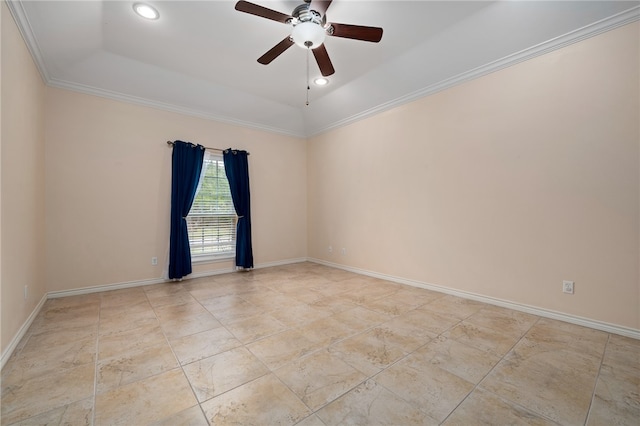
x=310 y=27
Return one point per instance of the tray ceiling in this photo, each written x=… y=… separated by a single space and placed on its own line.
x=199 y=57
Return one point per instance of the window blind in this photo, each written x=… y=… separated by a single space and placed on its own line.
x=211 y=222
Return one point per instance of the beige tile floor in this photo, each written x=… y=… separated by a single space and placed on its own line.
x=310 y=345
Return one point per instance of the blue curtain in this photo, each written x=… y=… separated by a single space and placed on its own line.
x=185 y=173
x=236 y=167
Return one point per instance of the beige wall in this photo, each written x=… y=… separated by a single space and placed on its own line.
x=22 y=182
x=503 y=186
x=108 y=192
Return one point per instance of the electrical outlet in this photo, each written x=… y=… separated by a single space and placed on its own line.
x=26 y=292
x=343 y=251
x=154 y=261
x=330 y=249
x=567 y=287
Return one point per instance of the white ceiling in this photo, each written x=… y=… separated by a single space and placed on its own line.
x=200 y=57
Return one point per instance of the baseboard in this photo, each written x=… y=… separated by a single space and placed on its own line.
x=117 y=286
x=105 y=287
x=21 y=333
x=140 y=283
x=281 y=262
x=257 y=266
x=542 y=312
x=546 y=313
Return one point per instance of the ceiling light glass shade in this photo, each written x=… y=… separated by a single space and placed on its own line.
x=146 y=11
x=321 y=81
x=308 y=32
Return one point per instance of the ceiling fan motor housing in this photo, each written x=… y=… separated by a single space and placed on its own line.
x=308 y=27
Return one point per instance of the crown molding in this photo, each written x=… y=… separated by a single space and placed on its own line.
x=591 y=30
x=117 y=96
x=24 y=26
x=588 y=31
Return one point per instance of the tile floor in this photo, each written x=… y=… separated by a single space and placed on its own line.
x=310 y=345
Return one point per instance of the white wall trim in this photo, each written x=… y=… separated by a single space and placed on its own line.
x=117 y=286
x=21 y=333
x=573 y=319
x=604 y=25
x=24 y=26
x=575 y=36
x=117 y=96
x=152 y=281
x=20 y=17
x=281 y=262
x=257 y=266
x=542 y=312
x=104 y=287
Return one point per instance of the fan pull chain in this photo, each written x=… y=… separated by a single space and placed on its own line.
x=308 y=88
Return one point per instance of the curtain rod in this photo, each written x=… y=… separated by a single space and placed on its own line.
x=205 y=147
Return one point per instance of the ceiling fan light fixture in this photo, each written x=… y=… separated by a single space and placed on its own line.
x=321 y=81
x=308 y=35
x=146 y=11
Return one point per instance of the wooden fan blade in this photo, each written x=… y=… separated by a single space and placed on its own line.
x=275 y=51
x=320 y=6
x=357 y=32
x=254 y=9
x=322 y=58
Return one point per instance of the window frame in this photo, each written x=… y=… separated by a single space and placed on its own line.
x=196 y=256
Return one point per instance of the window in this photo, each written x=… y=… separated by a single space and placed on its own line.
x=212 y=220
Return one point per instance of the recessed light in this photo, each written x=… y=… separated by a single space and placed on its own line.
x=321 y=81
x=146 y=11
